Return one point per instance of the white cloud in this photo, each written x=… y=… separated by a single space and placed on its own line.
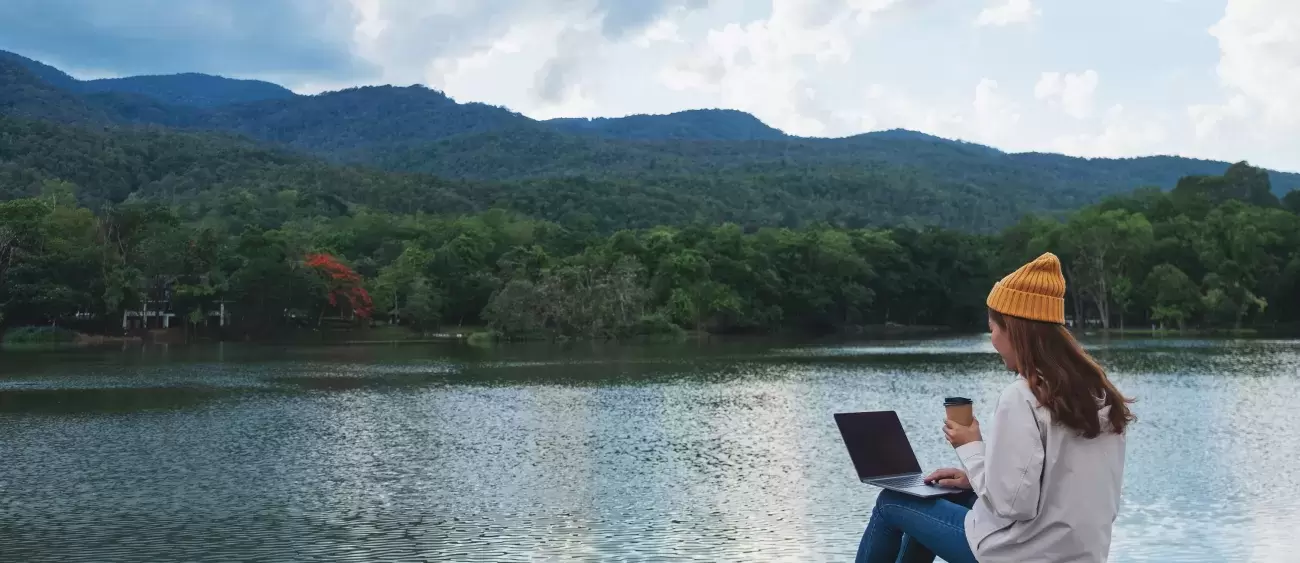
x=1209 y=119
x=1073 y=93
x=665 y=29
x=1256 y=116
x=883 y=107
x=996 y=117
x=764 y=66
x=1259 y=45
x=539 y=56
x=1007 y=12
x=986 y=116
x=1122 y=134
x=370 y=25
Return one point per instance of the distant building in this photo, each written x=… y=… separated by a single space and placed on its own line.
x=152 y=315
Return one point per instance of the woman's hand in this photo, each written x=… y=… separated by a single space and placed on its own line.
x=951 y=478
x=959 y=435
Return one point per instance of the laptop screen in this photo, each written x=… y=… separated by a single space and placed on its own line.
x=877 y=444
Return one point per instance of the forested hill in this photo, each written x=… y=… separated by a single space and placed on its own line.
x=213 y=175
x=186 y=89
x=705 y=165
x=703 y=124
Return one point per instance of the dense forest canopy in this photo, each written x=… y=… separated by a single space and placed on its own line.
x=200 y=173
x=403 y=205
x=1200 y=258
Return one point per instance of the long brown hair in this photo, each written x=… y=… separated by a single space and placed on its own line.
x=1063 y=377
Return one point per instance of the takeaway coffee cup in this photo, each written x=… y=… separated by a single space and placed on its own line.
x=960 y=410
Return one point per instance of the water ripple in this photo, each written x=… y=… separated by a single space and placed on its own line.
x=728 y=455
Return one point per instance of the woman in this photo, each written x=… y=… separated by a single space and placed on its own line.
x=1045 y=484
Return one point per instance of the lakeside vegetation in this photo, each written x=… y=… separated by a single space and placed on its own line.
x=39 y=335
x=1214 y=253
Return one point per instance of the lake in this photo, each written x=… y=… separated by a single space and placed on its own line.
x=713 y=452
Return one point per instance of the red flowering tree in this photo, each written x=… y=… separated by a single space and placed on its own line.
x=341 y=284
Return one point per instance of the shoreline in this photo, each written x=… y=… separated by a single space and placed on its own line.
x=479 y=336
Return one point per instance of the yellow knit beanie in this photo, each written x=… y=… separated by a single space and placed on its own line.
x=1036 y=292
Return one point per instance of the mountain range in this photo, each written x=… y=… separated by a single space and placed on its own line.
x=720 y=164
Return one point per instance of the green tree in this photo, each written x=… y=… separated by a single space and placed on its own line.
x=1228 y=302
x=517 y=310
x=1122 y=293
x=1103 y=246
x=397 y=283
x=423 y=304
x=1292 y=201
x=1174 y=296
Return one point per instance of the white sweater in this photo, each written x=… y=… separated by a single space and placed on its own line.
x=1045 y=493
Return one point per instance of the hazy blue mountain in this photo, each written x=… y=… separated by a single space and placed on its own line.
x=1059 y=181
x=416 y=129
x=702 y=124
x=340 y=123
x=334 y=124
x=49 y=74
x=192 y=89
x=33 y=93
x=188 y=89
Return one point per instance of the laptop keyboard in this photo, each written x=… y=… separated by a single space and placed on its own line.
x=901 y=482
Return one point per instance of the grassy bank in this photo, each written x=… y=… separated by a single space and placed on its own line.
x=44 y=337
x=39 y=336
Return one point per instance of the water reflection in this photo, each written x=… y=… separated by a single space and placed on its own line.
x=718 y=452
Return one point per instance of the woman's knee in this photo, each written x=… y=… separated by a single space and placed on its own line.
x=888 y=498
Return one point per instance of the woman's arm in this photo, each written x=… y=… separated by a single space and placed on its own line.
x=1005 y=472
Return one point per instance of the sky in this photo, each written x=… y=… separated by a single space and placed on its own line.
x=1213 y=79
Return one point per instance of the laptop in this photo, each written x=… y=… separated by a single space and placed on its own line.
x=882 y=455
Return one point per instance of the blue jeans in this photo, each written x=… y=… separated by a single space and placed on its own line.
x=908 y=529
